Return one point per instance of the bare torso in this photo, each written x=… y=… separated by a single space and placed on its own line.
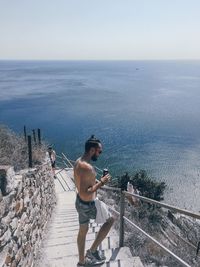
x=85 y=177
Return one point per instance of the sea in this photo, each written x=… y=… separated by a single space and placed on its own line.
x=146 y=113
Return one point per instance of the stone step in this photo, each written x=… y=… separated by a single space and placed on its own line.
x=70 y=224
x=71 y=230
x=72 y=262
x=65 y=180
x=114 y=257
x=111 y=254
x=57 y=249
x=70 y=227
x=71 y=237
x=117 y=253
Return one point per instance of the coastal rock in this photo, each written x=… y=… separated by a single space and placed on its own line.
x=14 y=224
x=8 y=259
x=5 y=238
x=2 y=208
x=6 y=220
x=19 y=206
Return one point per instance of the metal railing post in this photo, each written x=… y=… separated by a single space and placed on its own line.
x=39 y=136
x=121 y=228
x=34 y=136
x=30 y=152
x=25 y=135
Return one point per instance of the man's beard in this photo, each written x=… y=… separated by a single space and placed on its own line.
x=94 y=158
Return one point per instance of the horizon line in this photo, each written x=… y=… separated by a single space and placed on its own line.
x=174 y=59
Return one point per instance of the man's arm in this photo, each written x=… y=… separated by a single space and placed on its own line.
x=99 y=184
x=95 y=187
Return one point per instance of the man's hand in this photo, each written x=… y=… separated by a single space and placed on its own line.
x=105 y=178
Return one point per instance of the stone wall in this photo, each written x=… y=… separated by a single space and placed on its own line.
x=26 y=206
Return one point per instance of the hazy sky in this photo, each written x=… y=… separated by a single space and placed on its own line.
x=99 y=29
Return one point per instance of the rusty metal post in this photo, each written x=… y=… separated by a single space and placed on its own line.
x=3 y=181
x=30 y=152
x=121 y=227
x=25 y=136
x=39 y=136
x=34 y=136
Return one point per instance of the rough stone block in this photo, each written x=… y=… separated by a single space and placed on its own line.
x=14 y=224
x=3 y=181
x=7 y=175
x=2 y=209
x=3 y=229
x=5 y=238
x=3 y=255
x=6 y=220
x=8 y=259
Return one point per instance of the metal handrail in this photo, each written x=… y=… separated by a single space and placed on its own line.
x=158 y=243
x=152 y=239
x=67 y=160
x=123 y=218
x=57 y=156
x=64 y=181
x=152 y=201
x=62 y=160
x=111 y=188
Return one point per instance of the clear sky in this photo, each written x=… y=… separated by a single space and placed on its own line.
x=100 y=29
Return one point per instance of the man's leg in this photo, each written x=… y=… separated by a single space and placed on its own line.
x=83 y=229
x=102 y=233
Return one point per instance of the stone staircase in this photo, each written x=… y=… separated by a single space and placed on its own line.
x=59 y=249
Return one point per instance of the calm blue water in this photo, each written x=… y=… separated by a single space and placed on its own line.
x=147 y=114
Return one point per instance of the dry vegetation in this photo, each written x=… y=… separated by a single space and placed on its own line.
x=14 y=150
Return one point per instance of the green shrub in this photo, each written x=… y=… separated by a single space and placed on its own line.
x=148 y=186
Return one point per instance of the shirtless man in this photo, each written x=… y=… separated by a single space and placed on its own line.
x=87 y=185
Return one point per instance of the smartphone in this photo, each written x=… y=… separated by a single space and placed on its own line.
x=105 y=171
